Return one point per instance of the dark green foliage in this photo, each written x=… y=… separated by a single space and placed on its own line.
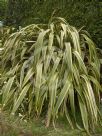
x=87 y=13
x=15 y=11
x=2 y=9
x=79 y=13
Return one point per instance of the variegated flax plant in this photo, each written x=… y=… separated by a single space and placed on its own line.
x=54 y=70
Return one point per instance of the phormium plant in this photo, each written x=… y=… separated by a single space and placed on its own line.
x=54 y=68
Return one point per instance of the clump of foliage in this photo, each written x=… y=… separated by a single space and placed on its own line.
x=51 y=70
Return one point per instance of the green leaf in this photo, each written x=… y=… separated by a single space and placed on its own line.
x=62 y=95
x=7 y=89
x=20 y=98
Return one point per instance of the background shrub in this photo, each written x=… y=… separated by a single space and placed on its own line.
x=2 y=9
x=79 y=13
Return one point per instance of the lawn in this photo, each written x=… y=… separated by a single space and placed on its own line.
x=10 y=126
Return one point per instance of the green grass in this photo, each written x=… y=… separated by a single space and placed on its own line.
x=14 y=126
